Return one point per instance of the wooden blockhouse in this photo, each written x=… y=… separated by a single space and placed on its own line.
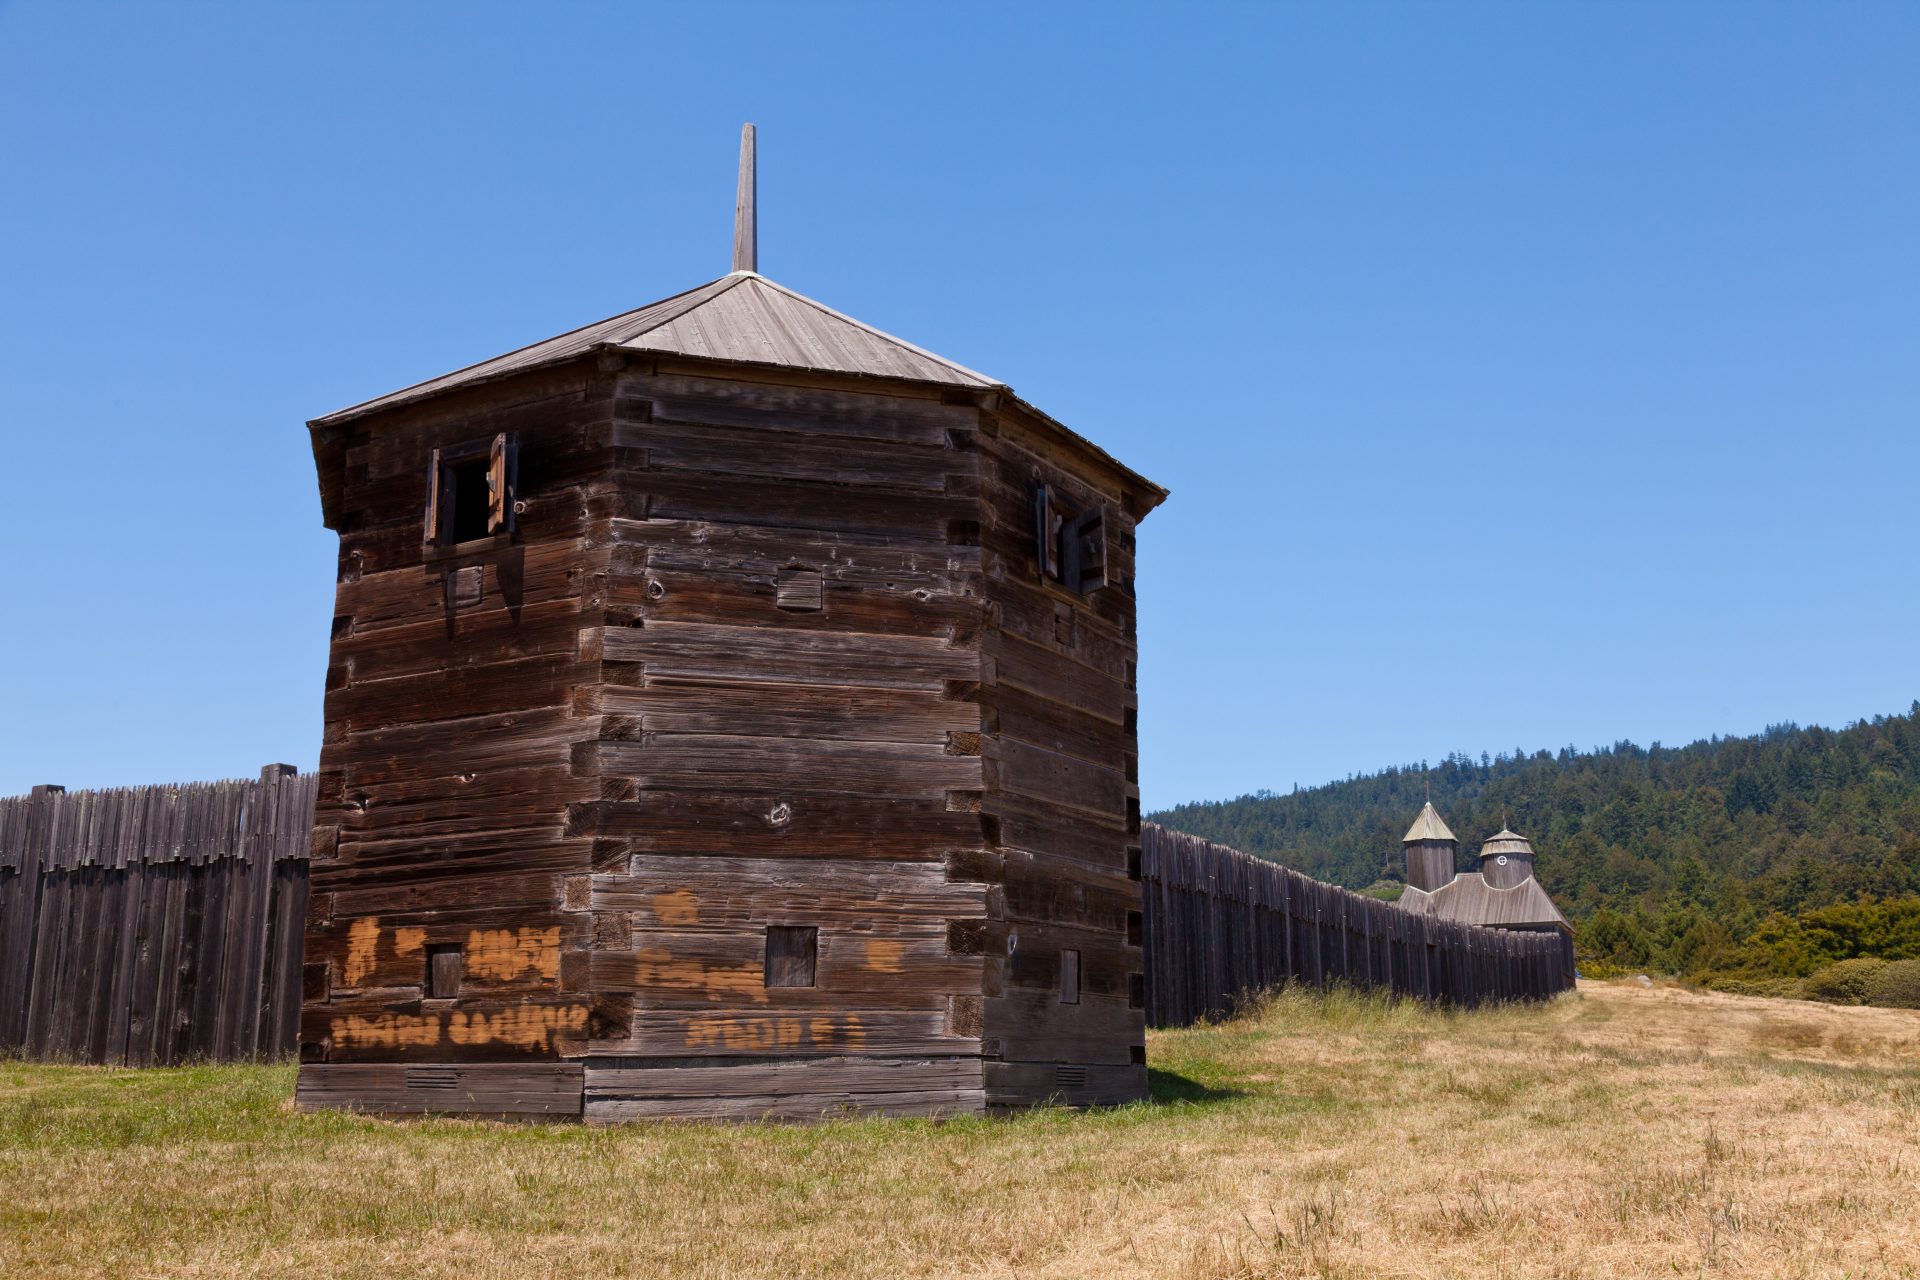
x=730 y=712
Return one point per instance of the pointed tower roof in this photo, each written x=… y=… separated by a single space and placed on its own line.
x=1427 y=826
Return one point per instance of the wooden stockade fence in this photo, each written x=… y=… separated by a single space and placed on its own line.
x=154 y=925
x=1220 y=924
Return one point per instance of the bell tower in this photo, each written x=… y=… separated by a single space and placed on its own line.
x=1507 y=859
x=1429 y=845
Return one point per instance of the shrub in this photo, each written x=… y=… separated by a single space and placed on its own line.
x=1897 y=986
x=1845 y=982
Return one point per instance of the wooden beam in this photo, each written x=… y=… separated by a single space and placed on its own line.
x=746 y=234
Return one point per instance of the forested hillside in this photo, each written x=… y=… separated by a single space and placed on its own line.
x=1725 y=855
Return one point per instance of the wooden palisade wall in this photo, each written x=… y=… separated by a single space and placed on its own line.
x=1221 y=925
x=154 y=925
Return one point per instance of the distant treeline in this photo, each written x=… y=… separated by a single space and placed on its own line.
x=1737 y=858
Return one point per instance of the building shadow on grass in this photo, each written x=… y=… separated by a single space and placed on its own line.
x=1170 y=1086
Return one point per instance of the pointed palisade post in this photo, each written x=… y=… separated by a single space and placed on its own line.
x=746 y=234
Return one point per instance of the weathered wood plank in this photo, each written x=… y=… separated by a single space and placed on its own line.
x=715 y=653
x=127 y=942
x=730 y=402
x=665 y=705
x=796 y=766
x=663 y=891
x=488 y=1089
x=720 y=1077
x=856 y=1029
x=918 y=606
x=800 y=1107
x=771 y=824
x=1078 y=1085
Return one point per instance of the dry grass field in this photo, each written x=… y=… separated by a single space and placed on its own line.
x=1622 y=1131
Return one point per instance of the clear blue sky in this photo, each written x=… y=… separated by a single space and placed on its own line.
x=1524 y=374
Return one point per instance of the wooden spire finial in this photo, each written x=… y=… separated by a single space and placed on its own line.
x=746 y=234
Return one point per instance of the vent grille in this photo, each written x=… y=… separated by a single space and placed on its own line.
x=432 y=1077
x=1070 y=1077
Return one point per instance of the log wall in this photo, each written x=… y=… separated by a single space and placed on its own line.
x=1063 y=1011
x=768 y=661
x=452 y=759
x=1221 y=925
x=788 y=744
x=154 y=925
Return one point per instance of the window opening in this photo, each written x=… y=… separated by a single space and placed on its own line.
x=471 y=491
x=446 y=966
x=792 y=955
x=1070 y=547
x=468 y=486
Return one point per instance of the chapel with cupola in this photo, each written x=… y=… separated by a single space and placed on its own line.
x=1501 y=893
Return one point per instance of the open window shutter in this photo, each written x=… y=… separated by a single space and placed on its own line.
x=1088 y=536
x=500 y=484
x=433 y=498
x=1045 y=547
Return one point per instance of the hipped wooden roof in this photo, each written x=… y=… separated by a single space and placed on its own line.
x=743 y=317
x=746 y=319
x=1469 y=899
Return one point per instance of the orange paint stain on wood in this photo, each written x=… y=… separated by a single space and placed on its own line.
x=677 y=907
x=363 y=941
x=883 y=955
x=506 y=954
x=525 y=1027
x=655 y=968
x=760 y=1034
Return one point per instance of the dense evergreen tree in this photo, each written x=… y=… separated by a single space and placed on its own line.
x=1749 y=854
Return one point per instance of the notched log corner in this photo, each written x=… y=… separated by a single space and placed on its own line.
x=966 y=937
x=966 y=1016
